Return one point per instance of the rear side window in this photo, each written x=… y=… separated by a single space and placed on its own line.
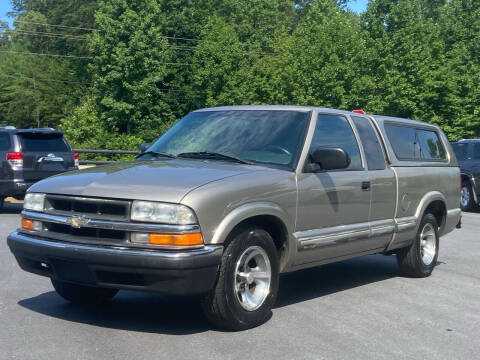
x=404 y=141
x=430 y=145
x=5 y=142
x=415 y=144
x=335 y=131
x=36 y=143
x=371 y=143
x=461 y=151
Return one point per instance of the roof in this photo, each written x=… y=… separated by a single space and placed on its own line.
x=274 y=107
x=313 y=108
x=402 y=120
x=465 y=140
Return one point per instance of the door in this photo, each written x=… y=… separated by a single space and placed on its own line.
x=333 y=206
x=382 y=183
x=44 y=154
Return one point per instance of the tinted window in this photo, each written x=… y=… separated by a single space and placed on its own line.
x=476 y=151
x=403 y=141
x=461 y=151
x=334 y=130
x=430 y=145
x=264 y=136
x=5 y=142
x=44 y=143
x=371 y=143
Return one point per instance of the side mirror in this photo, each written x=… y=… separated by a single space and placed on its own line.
x=144 y=147
x=329 y=158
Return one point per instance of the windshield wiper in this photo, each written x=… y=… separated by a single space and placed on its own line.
x=156 y=153
x=212 y=155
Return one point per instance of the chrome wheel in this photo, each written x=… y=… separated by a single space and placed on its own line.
x=428 y=244
x=465 y=196
x=252 y=278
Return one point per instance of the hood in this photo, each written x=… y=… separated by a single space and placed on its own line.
x=168 y=180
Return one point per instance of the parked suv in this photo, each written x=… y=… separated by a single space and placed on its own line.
x=468 y=156
x=231 y=197
x=30 y=155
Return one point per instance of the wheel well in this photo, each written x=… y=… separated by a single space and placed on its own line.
x=271 y=224
x=439 y=210
x=465 y=178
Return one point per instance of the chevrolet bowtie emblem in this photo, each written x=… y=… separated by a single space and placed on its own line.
x=77 y=221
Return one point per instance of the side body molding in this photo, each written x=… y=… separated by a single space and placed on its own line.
x=407 y=227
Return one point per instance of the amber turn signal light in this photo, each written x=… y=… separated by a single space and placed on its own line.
x=27 y=224
x=176 y=239
x=31 y=225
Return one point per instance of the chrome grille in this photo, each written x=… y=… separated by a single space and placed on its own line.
x=86 y=232
x=94 y=208
x=91 y=208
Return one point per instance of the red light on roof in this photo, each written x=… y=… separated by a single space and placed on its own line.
x=359 y=112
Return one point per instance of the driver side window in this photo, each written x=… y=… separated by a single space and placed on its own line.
x=335 y=131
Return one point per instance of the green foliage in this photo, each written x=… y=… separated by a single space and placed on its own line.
x=84 y=130
x=152 y=61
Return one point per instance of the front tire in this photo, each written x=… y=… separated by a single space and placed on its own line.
x=83 y=294
x=419 y=259
x=247 y=283
x=467 y=201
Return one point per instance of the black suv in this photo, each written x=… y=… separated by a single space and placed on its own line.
x=468 y=156
x=30 y=155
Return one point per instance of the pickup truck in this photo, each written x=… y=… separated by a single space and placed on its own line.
x=231 y=197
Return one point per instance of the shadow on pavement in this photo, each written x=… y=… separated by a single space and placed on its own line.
x=129 y=310
x=155 y=313
x=316 y=282
x=11 y=208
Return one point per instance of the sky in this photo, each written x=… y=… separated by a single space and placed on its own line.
x=355 y=5
x=5 y=6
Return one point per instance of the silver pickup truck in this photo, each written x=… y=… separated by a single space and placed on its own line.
x=231 y=197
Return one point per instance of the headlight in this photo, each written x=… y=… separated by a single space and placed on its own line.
x=162 y=213
x=34 y=202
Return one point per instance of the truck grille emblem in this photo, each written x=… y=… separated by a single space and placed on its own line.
x=77 y=221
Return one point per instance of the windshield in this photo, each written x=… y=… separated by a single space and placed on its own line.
x=261 y=136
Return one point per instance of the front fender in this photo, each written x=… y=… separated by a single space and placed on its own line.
x=246 y=211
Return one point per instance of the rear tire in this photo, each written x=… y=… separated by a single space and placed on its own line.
x=247 y=283
x=83 y=294
x=419 y=259
x=2 y=200
x=467 y=201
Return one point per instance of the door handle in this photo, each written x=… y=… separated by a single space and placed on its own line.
x=366 y=185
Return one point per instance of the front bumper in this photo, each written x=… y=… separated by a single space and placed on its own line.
x=179 y=273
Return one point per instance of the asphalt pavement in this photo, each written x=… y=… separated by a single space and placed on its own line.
x=355 y=309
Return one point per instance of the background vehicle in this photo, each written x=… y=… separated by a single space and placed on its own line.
x=231 y=197
x=468 y=156
x=30 y=155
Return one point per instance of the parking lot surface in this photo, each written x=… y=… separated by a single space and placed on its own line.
x=356 y=309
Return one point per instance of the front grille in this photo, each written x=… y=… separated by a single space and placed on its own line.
x=94 y=208
x=91 y=208
x=86 y=232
